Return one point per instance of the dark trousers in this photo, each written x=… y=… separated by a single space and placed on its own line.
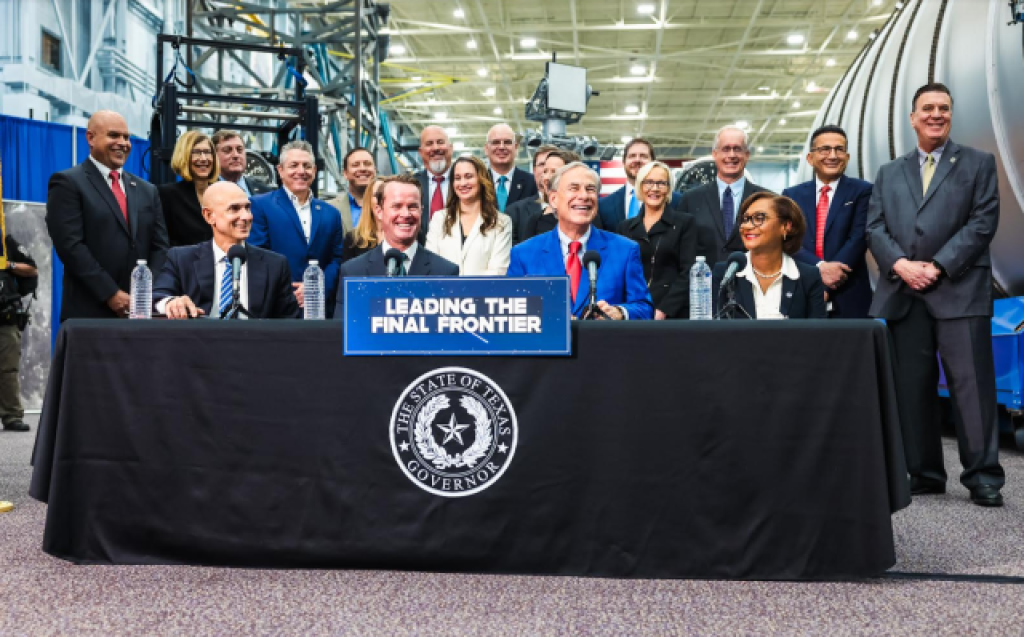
x=965 y=346
x=10 y=362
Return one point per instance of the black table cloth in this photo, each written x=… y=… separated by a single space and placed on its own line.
x=755 y=450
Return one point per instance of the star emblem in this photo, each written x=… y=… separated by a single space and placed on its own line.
x=404 y=446
x=453 y=429
x=503 y=448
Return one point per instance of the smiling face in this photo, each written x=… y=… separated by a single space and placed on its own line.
x=730 y=155
x=297 y=171
x=227 y=209
x=831 y=165
x=551 y=166
x=538 y=172
x=231 y=155
x=655 y=188
x=359 y=171
x=466 y=182
x=109 y=140
x=932 y=119
x=638 y=155
x=201 y=161
x=760 y=228
x=501 y=148
x=435 y=151
x=398 y=214
x=575 y=200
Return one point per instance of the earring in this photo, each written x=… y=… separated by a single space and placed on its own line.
x=784 y=235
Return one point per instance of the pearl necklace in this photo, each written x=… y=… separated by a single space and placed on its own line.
x=766 y=276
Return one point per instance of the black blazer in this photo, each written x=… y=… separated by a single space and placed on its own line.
x=702 y=202
x=668 y=251
x=189 y=271
x=183 y=214
x=425 y=263
x=95 y=244
x=802 y=298
x=521 y=187
x=349 y=250
x=520 y=212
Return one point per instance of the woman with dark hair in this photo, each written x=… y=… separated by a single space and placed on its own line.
x=773 y=285
x=195 y=161
x=472 y=233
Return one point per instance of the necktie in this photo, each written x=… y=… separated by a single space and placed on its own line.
x=502 y=193
x=115 y=182
x=226 y=289
x=728 y=211
x=820 y=216
x=574 y=269
x=437 y=201
x=929 y=172
x=634 y=205
x=402 y=270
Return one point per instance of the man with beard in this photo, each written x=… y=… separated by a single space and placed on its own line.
x=359 y=171
x=230 y=151
x=510 y=183
x=436 y=153
x=623 y=203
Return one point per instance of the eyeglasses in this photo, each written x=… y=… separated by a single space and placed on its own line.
x=733 y=150
x=650 y=185
x=201 y=152
x=755 y=219
x=825 y=151
x=502 y=142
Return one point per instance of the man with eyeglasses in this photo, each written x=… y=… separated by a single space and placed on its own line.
x=625 y=203
x=836 y=209
x=231 y=157
x=510 y=183
x=714 y=206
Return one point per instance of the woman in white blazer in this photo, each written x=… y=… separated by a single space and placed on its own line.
x=471 y=232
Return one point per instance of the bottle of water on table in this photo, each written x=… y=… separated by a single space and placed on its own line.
x=700 y=291
x=313 y=289
x=142 y=292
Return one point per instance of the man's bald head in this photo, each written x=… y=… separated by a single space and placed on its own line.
x=435 y=149
x=228 y=211
x=501 y=148
x=109 y=140
x=220 y=191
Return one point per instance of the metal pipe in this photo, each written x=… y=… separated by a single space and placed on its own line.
x=235 y=112
x=358 y=80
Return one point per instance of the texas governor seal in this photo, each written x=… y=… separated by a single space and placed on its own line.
x=453 y=432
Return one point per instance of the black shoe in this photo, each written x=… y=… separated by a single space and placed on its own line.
x=16 y=424
x=924 y=486
x=986 y=496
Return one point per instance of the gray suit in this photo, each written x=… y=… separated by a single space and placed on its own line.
x=340 y=201
x=952 y=224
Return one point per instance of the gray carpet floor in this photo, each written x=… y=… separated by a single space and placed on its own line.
x=41 y=595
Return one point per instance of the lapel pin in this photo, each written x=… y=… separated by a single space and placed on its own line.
x=952 y=160
x=132 y=183
x=789 y=295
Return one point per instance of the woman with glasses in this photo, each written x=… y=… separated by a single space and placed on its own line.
x=195 y=161
x=472 y=233
x=773 y=285
x=668 y=242
x=364 y=237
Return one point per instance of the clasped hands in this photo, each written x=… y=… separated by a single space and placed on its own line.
x=919 y=275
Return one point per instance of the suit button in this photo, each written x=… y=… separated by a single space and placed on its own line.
x=920 y=232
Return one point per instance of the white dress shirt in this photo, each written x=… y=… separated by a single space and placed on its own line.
x=767 y=303
x=304 y=210
x=105 y=171
x=410 y=252
x=831 y=194
x=220 y=263
x=433 y=186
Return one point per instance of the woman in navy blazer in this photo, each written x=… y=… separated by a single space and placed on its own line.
x=773 y=285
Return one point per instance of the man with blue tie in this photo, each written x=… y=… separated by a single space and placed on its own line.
x=624 y=203
x=293 y=223
x=621 y=291
x=231 y=158
x=510 y=183
x=836 y=209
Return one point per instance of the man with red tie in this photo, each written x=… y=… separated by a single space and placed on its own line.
x=836 y=209
x=101 y=220
x=436 y=153
x=621 y=291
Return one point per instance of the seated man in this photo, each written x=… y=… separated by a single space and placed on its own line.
x=398 y=209
x=197 y=280
x=621 y=290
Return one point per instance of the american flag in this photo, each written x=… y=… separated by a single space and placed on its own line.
x=613 y=175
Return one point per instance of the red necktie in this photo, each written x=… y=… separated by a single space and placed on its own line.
x=115 y=182
x=820 y=217
x=574 y=269
x=437 y=201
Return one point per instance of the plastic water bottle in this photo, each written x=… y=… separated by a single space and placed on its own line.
x=700 y=291
x=313 y=290
x=142 y=292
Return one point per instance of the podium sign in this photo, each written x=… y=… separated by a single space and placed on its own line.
x=431 y=316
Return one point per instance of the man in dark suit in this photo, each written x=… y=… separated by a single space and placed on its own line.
x=398 y=217
x=623 y=204
x=232 y=159
x=836 y=209
x=621 y=291
x=932 y=215
x=101 y=220
x=510 y=183
x=436 y=152
x=294 y=223
x=197 y=280
x=714 y=206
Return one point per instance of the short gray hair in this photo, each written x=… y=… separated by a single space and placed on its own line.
x=557 y=177
x=651 y=165
x=298 y=144
x=727 y=127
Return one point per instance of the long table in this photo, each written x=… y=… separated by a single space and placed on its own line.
x=752 y=450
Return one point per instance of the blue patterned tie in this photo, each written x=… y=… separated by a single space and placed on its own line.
x=226 y=289
x=728 y=211
x=634 y=205
x=502 y=193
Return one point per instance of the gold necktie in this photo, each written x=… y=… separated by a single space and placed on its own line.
x=929 y=172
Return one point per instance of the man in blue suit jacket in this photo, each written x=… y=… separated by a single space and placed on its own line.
x=292 y=222
x=621 y=291
x=840 y=257
x=613 y=209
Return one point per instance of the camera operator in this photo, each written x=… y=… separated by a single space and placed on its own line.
x=18 y=280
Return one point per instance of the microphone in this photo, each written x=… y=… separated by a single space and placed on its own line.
x=592 y=261
x=737 y=261
x=236 y=256
x=394 y=259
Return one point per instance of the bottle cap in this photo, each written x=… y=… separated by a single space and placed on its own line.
x=700 y=259
x=141 y=262
x=314 y=262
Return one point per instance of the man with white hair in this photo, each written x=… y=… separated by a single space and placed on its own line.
x=621 y=292
x=510 y=183
x=714 y=206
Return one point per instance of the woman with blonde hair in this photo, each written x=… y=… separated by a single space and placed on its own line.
x=364 y=237
x=195 y=161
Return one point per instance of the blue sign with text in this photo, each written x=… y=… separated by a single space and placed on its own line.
x=475 y=315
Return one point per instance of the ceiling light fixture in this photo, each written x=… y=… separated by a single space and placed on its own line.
x=760 y=149
x=645 y=9
x=795 y=39
x=489 y=92
x=481 y=72
x=417 y=78
x=452 y=131
x=458 y=146
x=440 y=116
x=852 y=35
x=830 y=62
x=528 y=43
x=471 y=44
x=764 y=88
x=744 y=124
x=632 y=109
x=625 y=139
x=796 y=104
x=459 y=13
x=396 y=49
x=497 y=110
x=638 y=69
x=782 y=122
x=812 y=87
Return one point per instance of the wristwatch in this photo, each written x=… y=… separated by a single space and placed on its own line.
x=10 y=265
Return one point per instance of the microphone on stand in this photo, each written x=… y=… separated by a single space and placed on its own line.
x=737 y=261
x=592 y=261
x=394 y=258
x=236 y=257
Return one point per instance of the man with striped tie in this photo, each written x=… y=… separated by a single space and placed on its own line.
x=198 y=280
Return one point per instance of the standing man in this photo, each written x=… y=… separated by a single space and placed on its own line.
x=230 y=151
x=18 y=280
x=836 y=209
x=101 y=220
x=932 y=215
x=436 y=153
x=524 y=209
x=359 y=171
x=714 y=206
x=623 y=203
x=510 y=183
x=292 y=222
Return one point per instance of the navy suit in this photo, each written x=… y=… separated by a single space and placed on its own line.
x=801 y=298
x=276 y=227
x=425 y=263
x=703 y=203
x=845 y=239
x=620 y=279
x=190 y=270
x=612 y=208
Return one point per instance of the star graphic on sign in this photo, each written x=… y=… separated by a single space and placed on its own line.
x=404 y=446
x=453 y=429
x=503 y=448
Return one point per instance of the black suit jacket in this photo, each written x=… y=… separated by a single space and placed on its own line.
x=520 y=213
x=802 y=298
x=189 y=271
x=668 y=251
x=425 y=263
x=183 y=214
x=95 y=244
x=703 y=203
x=612 y=208
x=521 y=187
